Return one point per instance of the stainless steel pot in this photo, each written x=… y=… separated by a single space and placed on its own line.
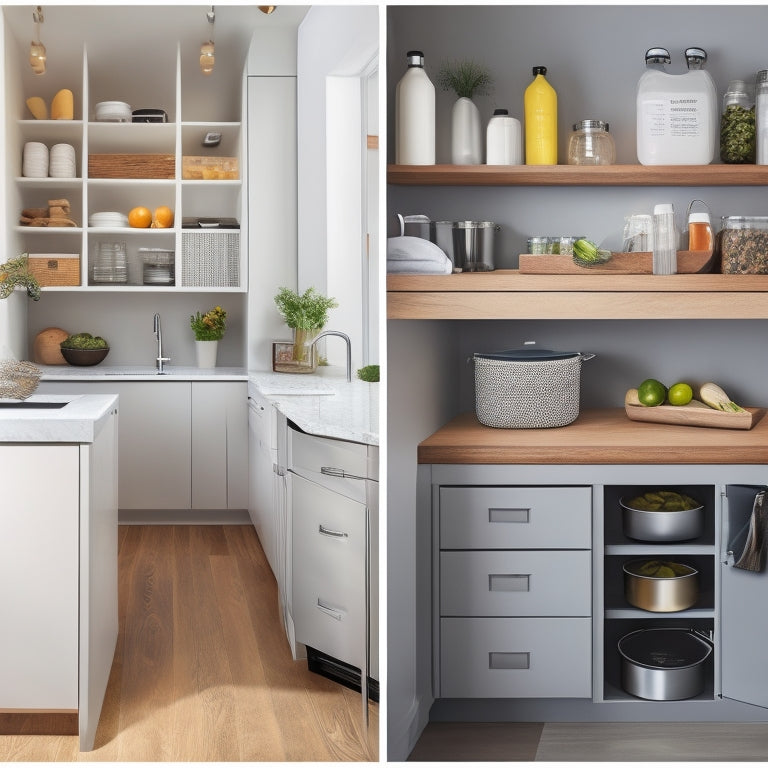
x=473 y=245
x=661 y=594
x=664 y=664
x=670 y=525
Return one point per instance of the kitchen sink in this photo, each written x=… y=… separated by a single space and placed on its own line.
x=33 y=405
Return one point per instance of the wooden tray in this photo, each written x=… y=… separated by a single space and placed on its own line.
x=695 y=414
x=639 y=263
x=131 y=166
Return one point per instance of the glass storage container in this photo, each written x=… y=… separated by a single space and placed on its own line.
x=737 y=124
x=743 y=244
x=591 y=144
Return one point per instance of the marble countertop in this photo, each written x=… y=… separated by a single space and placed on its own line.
x=323 y=403
x=138 y=373
x=79 y=421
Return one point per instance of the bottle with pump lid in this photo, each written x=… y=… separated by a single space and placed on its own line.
x=503 y=139
x=540 y=120
x=415 y=115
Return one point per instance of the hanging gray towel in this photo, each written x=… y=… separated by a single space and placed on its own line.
x=753 y=556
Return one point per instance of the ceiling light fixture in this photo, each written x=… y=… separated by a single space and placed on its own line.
x=267 y=8
x=207 y=58
x=36 y=48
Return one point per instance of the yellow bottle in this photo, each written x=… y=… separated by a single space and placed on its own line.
x=540 y=120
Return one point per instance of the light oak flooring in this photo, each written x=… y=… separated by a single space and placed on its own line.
x=202 y=670
x=593 y=742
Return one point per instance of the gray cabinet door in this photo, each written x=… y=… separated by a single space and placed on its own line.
x=744 y=613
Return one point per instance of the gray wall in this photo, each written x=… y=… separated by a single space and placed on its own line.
x=595 y=55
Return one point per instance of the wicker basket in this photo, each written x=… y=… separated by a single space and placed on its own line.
x=18 y=379
x=132 y=166
x=55 y=269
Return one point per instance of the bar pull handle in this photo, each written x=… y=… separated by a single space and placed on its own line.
x=328 y=611
x=509 y=515
x=509 y=582
x=509 y=660
x=330 y=532
x=336 y=472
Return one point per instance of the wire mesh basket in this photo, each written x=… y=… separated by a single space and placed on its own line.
x=18 y=379
x=210 y=259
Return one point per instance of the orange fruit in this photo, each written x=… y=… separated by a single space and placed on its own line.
x=163 y=217
x=139 y=217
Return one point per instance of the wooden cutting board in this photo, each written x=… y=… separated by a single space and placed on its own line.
x=695 y=414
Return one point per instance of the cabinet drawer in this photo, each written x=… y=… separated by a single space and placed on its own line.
x=337 y=464
x=329 y=546
x=515 y=583
x=515 y=518
x=515 y=658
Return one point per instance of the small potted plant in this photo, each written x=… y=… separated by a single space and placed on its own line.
x=84 y=349
x=466 y=78
x=209 y=329
x=305 y=314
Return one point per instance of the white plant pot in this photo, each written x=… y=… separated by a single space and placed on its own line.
x=206 y=353
x=466 y=133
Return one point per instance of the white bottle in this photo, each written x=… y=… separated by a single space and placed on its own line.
x=677 y=115
x=665 y=240
x=504 y=144
x=415 y=115
x=761 y=118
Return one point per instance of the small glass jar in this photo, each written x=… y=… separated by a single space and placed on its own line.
x=591 y=144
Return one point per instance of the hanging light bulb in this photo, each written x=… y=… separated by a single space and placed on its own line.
x=267 y=8
x=36 y=48
x=207 y=57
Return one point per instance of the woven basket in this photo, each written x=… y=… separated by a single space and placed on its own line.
x=52 y=269
x=18 y=379
x=131 y=166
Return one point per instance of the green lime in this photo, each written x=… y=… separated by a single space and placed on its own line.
x=680 y=394
x=651 y=392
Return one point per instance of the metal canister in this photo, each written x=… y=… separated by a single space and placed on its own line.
x=473 y=245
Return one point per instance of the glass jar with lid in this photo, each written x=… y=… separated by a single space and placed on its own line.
x=737 y=124
x=591 y=144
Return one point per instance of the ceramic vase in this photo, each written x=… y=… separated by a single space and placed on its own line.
x=206 y=353
x=466 y=133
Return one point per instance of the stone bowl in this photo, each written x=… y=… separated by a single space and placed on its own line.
x=84 y=356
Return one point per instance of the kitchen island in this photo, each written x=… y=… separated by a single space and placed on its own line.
x=58 y=560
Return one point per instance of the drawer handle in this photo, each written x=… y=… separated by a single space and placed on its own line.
x=328 y=611
x=336 y=472
x=509 y=660
x=509 y=515
x=509 y=582
x=329 y=532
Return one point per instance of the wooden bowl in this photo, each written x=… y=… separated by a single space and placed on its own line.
x=84 y=356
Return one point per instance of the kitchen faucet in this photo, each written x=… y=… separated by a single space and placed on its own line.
x=349 y=348
x=159 y=336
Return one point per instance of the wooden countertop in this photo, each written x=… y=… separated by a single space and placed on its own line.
x=605 y=436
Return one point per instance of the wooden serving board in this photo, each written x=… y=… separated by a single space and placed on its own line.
x=638 y=263
x=696 y=414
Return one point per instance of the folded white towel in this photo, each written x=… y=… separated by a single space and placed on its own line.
x=407 y=248
x=401 y=266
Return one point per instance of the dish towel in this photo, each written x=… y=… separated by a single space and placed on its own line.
x=415 y=255
x=753 y=556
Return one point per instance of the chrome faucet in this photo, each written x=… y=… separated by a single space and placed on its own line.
x=349 y=348
x=159 y=336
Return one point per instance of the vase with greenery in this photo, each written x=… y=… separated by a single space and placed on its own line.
x=15 y=273
x=209 y=329
x=305 y=314
x=466 y=78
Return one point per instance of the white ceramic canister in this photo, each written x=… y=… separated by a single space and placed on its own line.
x=504 y=144
x=415 y=115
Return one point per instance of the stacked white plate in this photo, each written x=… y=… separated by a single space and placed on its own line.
x=62 y=164
x=34 y=163
x=108 y=219
x=113 y=112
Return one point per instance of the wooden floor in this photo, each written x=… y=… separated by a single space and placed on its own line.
x=202 y=670
x=593 y=742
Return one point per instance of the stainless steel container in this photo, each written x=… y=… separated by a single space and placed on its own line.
x=662 y=525
x=473 y=245
x=663 y=664
x=660 y=594
x=441 y=234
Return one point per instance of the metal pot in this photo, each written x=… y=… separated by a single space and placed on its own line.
x=664 y=664
x=661 y=594
x=670 y=525
x=473 y=245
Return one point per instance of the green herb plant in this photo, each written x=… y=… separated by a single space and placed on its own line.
x=466 y=78
x=84 y=341
x=306 y=314
x=15 y=272
x=209 y=326
x=369 y=373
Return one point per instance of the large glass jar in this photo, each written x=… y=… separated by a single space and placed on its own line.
x=737 y=124
x=591 y=144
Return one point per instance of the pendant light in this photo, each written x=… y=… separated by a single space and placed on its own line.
x=207 y=58
x=267 y=8
x=36 y=48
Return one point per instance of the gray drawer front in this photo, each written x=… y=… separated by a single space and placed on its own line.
x=515 y=658
x=515 y=583
x=515 y=518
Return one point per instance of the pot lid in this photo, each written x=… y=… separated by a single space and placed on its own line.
x=664 y=648
x=527 y=354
